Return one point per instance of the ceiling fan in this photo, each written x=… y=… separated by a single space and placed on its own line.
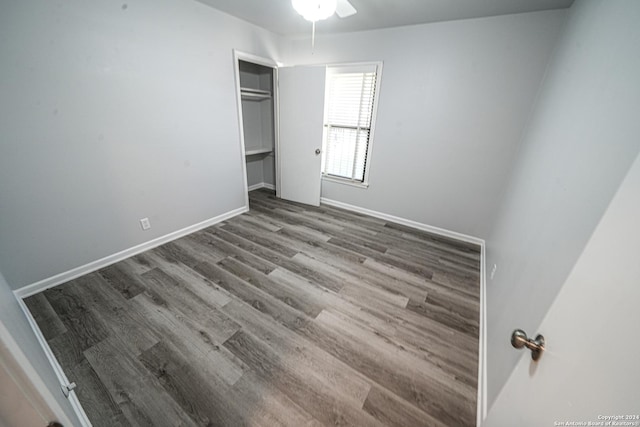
x=345 y=9
x=317 y=10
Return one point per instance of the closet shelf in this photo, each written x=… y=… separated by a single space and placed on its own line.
x=255 y=151
x=254 y=94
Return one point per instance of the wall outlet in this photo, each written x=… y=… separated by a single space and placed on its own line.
x=145 y=224
x=493 y=270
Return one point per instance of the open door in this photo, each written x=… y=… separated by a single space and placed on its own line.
x=301 y=103
x=23 y=402
x=588 y=374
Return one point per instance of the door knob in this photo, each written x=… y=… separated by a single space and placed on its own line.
x=317 y=151
x=519 y=339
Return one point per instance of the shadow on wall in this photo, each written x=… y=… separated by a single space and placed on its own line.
x=579 y=144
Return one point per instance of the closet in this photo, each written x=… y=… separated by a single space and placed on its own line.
x=257 y=83
x=281 y=112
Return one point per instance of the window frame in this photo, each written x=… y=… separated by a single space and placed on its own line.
x=374 y=115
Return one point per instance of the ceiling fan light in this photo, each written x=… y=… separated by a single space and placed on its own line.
x=314 y=10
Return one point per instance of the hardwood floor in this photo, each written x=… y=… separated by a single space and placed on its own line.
x=286 y=315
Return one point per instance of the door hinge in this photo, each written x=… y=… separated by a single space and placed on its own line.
x=66 y=389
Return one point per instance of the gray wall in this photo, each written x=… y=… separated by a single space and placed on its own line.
x=12 y=317
x=261 y=169
x=111 y=112
x=454 y=99
x=581 y=139
x=255 y=171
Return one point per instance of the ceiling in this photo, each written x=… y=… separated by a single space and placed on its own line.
x=279 y=17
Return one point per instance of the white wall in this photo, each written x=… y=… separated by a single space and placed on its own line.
x=261 y=170
x=581 y=140
x=590 y=367
x=453 y=101
x=111 y=112
x=255 y=172
x=15 y=322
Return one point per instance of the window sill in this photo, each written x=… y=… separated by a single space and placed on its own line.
x=345 y=181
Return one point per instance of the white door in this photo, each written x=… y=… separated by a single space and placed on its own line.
x=23 y=402
x=591 y=368
x=301 y=105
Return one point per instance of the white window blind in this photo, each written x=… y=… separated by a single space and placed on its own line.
x=349 y=111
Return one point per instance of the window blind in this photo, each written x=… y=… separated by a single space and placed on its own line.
x=348 y=115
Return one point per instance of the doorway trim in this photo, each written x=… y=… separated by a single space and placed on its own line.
x=62 y=378
x=239 y=55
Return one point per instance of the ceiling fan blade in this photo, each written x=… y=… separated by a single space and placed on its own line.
x=345 y=9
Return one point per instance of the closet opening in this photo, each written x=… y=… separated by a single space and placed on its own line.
x=257 y=81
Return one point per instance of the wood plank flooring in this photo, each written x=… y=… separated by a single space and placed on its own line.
x=287 y=315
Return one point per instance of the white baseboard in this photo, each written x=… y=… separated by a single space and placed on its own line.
x=404 y=221
x=58 y=279
x=481 y=413
x=482 y=336
x=111 y=259
x=261 y=185
x=50 y=282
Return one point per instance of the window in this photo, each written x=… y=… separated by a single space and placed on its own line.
x=350 y=107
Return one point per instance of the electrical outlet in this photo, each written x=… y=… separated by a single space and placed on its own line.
x=493 y=270
x=145 y=224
